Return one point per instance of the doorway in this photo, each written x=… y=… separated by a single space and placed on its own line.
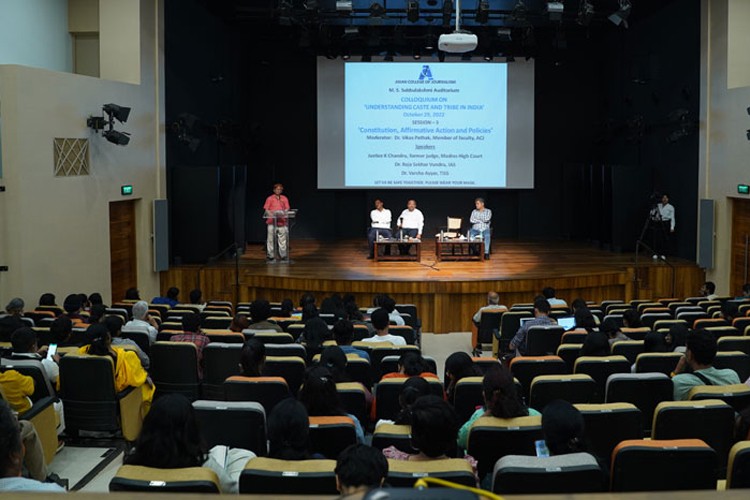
x=123 y=263
x=740 y=245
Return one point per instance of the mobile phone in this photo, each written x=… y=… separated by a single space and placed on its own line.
x=541 y=448
x=51 y=350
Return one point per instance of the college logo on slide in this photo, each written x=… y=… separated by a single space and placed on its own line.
x=426 y=74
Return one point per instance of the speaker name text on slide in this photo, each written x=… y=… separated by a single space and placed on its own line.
x=425 y=125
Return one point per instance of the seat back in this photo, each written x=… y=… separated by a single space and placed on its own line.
x=572 y=473
x=569 y=353
x=217 y=322
x=264 y=390
x=224 y=336
x=388 y=390
x=600 y=368
x=489 y=326
x=543 y=340
x=734 y=360
x=389 y=364
x=467 y=396
x=270 y=337
x=644 y=390
x=492 y=438
x=359 y=370
x=330 y=435
x=174 y=368
x=738 y=470
x=286 y=477
x=661 y=362
x=233 y=424
x=525 y=368
x=628 y=348
x=406 y=332
x=151 y=480
x=509 y=324
x=286 y=350
x=139 y=335
x=220 y=361
x=636 y=333
x=663 y=465
x=737 y=395
x=32 y=368
x=87 y=388
x=610 y=423
x=574 y=337
x=739 y=343
x=378 y=352
x=404 y=473
x=353 y=399
x=290 y=368
x=572 y=388
x=386 y=435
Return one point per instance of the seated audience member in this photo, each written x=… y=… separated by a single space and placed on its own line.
x=631 y=319
x=196 y=299
x=72 y=307
x=20 y=445
x=47 y=299
x=17 y=390
x=12 y=320
x=745 y=295
x=260 y=311
x=309 y=312
x=334 y=359
x=312 y=337
x=114 y=325
x=696 y=366
x=677 y=338
x=252 y=358
x=577 y=304
x=596 y=344
x=354 y=315
x=708 y=290
x=564 y=430
x=25 y=347
x=541 y=318
x=286 y=308
x=132 y=294
x=457 y=366
x=143 y=320
x=493 y=305
x=501 y=400
x=239 y=323
x=585 y=320
x=411 y=364
x=434 y=429
x=96 y=314
x=60 y=331
x=306 y=299
x=729 y=311
x=379 y=319
x=331 y=305
x=343 y=334
x=389 y=304
x=171 y=439
x=611 y=329
x=95 y=299
x=85 y=304
x=171 y=299
x=413 y=389
x=359 y=469
x=654 y=342
x=549 y=294
x=289 y=432
x=318 y=394
x=128 y=369
x=191 y=332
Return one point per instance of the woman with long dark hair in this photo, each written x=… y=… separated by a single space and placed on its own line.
x=318 y=394
x=457 y=366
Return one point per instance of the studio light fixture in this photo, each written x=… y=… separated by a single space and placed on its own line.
x=412 y=11
x=620 y=16
x=585 y=12
x=555 y=11
x=113 y=112
x=483 y=12
x=344 y=7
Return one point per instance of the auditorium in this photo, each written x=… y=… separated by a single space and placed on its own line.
x=374 y=248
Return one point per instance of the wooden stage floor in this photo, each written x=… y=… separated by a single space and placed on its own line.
x=446 y=293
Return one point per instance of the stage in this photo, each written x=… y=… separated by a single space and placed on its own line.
x=446 y=293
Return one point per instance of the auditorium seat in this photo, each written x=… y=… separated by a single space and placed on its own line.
x=738 y=470
x=574 y=337
x=663 y=465
x=492 y=438
x=509 y=324
x=723 y=331
x=297 y=350
x=378 y=351
x=330 y=435
x=269 y=476
x=737 y=395
x=359 y=370
x=44 y=418
x=709 y=322
x=628 y=348
x=406 y=332
x=734 y=343
x=734 y=360
x=265 y=390
x=56 y=310
x=162 y=308
x=269 y=337
x=641 y=305
x=572 y=388
x=386 y=435
x=571 y=473
x=607 y=424
x=224 y=336
x=710 y=420
x=389 y=364
x=607 y=304
x=485 y=363
x=569 y=353
x=404 y=473
x=644 y=390
x=236 y=424
x=666 y=324
x=174 y=369
x=295 y=330
x=139 y=335
x=741 y=323
x=467 y=396
x=152 y=480
x=220 y=361
x=290 y=368
x=489 y=326
x=657 y=362
x=354 y=399
x=649 y=319
x=32 y=368
x=525 y=368
x=543 y=340
x=387 y=392
x=600 y=368
x=87 y=389
x=691 y=316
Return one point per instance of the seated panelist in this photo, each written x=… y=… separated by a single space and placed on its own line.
x=380 y=225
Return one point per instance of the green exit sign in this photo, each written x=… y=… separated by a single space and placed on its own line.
x=743 y=189
x=126 y=190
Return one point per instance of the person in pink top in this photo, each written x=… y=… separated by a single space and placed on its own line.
x=278 y=231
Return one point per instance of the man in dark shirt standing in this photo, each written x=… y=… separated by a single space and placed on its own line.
x=541 y=318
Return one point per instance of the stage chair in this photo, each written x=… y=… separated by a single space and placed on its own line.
x=269 y=476
x=710 y=420
x=509 y=324
x=644 y=390
x=387 y=391
x=87 y=389
x=657 y=362
x=290 y=368
x=151 y=480
x=492 y=438
x=734 y=360
x=663 y=465
x=468 y=395
x=404 y=473
x=489 y=326
x=331 y=434
x=220 y=361
x=739 y=343
x=628 y=348
x=174 y=369
x=525 y=368
x=737 y=395
x=452 y=228
x=267 y=391
x=607 y=424
x=738 y=470
x=236 y=424
x=354 y=399
x=600 y=368
x=572 y=473
x=571 y=388
x=569 y=353
x=574 y=337
x=386 y=435
x=543 y=340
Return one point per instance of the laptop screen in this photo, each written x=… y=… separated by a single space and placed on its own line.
x=568 y=323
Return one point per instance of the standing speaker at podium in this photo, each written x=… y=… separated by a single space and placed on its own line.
x=277 y=227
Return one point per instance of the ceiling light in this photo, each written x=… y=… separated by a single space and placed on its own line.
x=620 y=16
x=344 y=6
x=555 y=10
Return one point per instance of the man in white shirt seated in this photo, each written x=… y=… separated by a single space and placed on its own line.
x=549 y=294
x=380 y=225
x=379 y=319
x=410 y=223
x=493 y=304
x=708 y=290
x=142 y=320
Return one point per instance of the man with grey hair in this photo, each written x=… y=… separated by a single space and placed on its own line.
x=142 y=320
x=12 y=321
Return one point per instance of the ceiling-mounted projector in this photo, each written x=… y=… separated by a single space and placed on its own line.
x=458 y=42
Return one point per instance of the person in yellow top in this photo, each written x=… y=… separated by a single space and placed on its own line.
x=128 y=369
x=17 y=389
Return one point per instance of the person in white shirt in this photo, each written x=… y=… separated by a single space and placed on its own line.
x=379 y=319
x=549 y=294
x=380 y=225
x=142 y=320
x=410 y=223
x=663 y=227
x=493 y=304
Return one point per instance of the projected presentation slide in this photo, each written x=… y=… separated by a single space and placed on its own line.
x=422 y=125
